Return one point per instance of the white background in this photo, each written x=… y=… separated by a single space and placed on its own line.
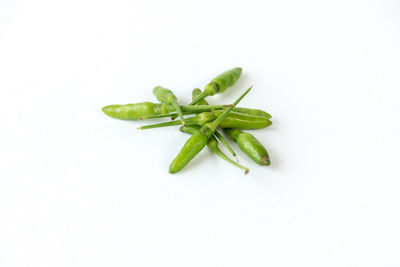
x=78 y=188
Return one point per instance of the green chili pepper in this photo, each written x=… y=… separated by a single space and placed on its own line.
x=195 y=93
x=219 y=84
x=165 y=96
x=149 y=110
x=252 y=111
x=199 y=140
x=165 y=108
x=250 y=145
x=132 y=111
x=248 y=111
x=233 y=120
x=221 y=138
x=203 y=108
x=146 y=110
x=212 y=144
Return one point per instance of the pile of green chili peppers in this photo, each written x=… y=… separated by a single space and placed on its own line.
x=205 y=122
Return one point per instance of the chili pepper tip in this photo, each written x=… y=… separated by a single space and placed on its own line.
x=266 y=161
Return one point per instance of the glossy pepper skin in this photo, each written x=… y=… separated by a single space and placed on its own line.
x=223 y=81
x=243 y=121
x=191 y=148
x=132 y=111
x=196 y=92
x=249 y=111
x=219 y=84
x=233 y=120
x=166 y=97
x=252 y=111
x=199 y=140
x=250 y=146
x=212 y=144
x=145 y=110
x=221 y=138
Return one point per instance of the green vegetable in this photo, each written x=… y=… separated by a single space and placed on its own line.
x=199 y=140
x=249 y=111
x=233 y=120
x=204 y=121
x=147 y=110
x=252 y=111
x=195 y=93
x=250 y=146
x=212 y=144
x=219 y=84
x=166 y=97
x=221 y=138
x=132 y=111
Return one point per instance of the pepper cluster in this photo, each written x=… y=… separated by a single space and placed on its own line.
x=203 y=125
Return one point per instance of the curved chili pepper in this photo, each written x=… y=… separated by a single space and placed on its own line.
x=196 y=92
x=233 y=120
x=250 y=146
x=147 y=110
x=199 y=140
x=249 y=111
x=166 y=97
x=212 y=144
x=220 y=137
x=252 y=111
x=219 y=84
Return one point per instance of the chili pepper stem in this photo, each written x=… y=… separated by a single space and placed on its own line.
x=209 y=90
x=223 y=156
x=201 y=96
x=212 y=144
x=212 y=126
x=178 y=110
x=158 y=125
x=197 y=92
x=156 y=116
x=225 y=144
x=199 y=140
x=205 y=107
x=187 y=110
